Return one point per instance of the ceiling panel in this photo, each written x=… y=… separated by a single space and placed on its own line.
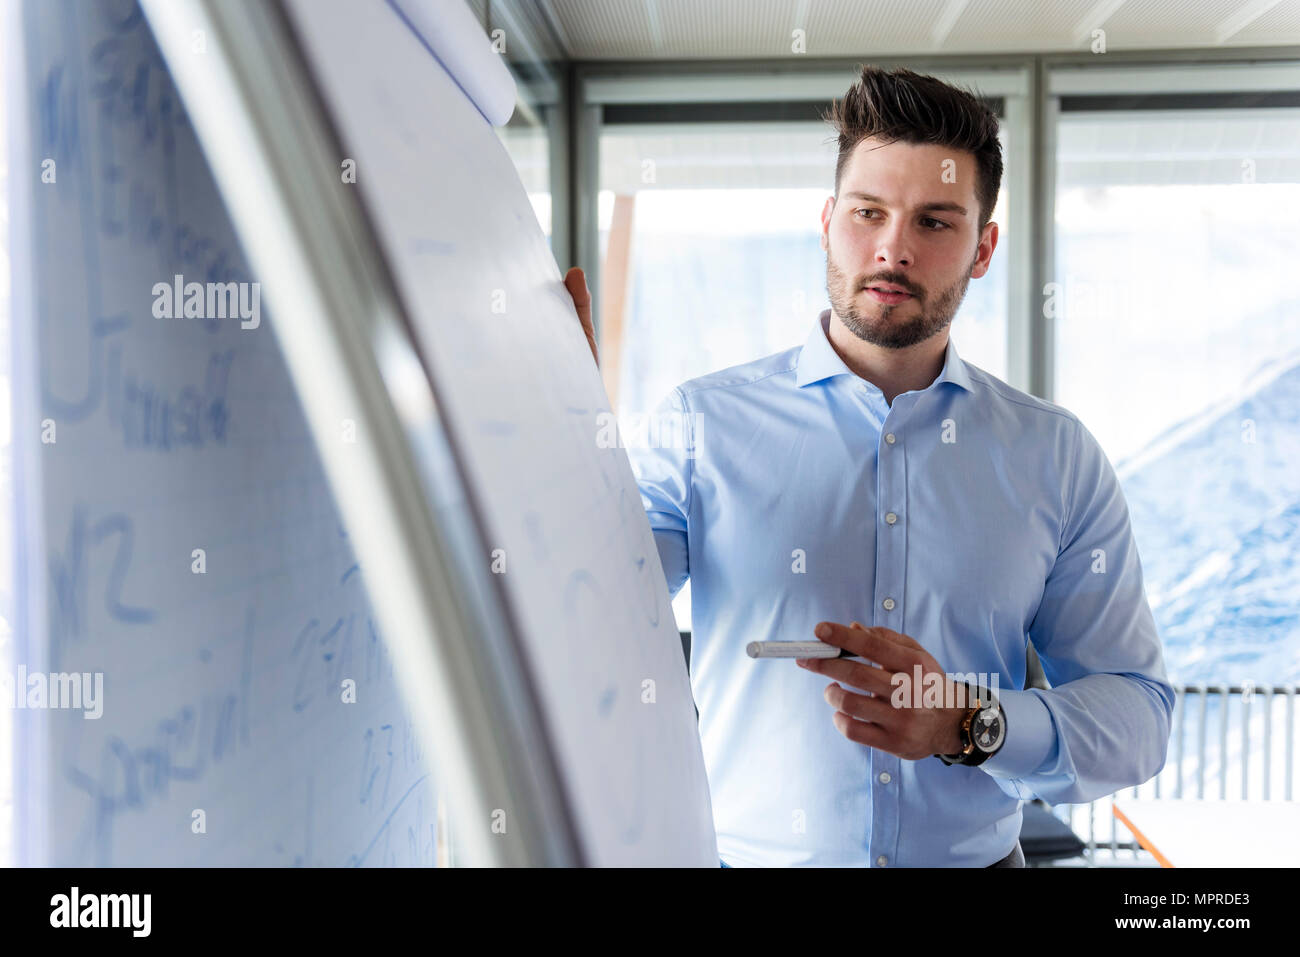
x=994 y=26
x=729 y=29
x=851 y=29
x=1170 y=22
x=1280 y=24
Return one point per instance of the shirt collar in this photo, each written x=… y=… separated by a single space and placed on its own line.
x=818 y=359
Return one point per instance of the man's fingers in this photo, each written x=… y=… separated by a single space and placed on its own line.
x=853 y=673
x=869 y=643
x=866 y=733
x=575 y=280
x=860 y=706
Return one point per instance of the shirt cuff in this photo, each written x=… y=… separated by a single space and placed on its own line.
x=1031 y=736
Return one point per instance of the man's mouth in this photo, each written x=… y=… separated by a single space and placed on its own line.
x=888 y=293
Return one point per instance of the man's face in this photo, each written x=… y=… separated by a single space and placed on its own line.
x=906 y=216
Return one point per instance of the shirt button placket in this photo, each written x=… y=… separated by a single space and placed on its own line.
x=890 y=562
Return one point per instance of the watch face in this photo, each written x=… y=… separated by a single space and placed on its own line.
x=987 y=729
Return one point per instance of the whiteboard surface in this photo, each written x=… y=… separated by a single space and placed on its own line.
x=222 y=690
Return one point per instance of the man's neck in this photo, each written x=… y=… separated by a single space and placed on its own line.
x=892 y=371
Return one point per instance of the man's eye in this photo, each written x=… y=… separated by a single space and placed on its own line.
x=938 y=224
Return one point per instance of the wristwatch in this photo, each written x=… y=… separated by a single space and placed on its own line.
x=983 y=729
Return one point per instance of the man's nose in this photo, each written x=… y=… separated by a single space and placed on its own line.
x=892 y=246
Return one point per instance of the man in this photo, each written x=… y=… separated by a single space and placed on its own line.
x=871 y=477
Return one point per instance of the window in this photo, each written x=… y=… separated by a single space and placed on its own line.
x=534 y=130
x=1177 y=327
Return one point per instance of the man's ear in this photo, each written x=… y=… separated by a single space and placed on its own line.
x=828 y=210
x=984 y=251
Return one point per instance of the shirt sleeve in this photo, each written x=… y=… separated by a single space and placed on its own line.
x=664 y=472
x=1105 y=723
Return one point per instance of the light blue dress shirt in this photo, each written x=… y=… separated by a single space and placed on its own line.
x=969 y=515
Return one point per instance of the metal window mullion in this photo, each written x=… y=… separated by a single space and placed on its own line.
x=1042 y=342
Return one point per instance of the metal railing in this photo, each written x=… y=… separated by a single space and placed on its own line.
x=1221 y=763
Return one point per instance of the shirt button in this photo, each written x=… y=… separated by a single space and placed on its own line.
x=889 y=604
x=884 y=777
x=881 y=861
x=889 y=437
x=890 y=518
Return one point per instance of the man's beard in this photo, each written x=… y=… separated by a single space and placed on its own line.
x=889 y=329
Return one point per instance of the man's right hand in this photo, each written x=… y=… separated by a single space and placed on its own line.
x=576 y=282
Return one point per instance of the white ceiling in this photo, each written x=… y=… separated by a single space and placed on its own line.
x=723 y=29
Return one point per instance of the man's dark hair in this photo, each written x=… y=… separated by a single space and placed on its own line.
x=914 y=108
